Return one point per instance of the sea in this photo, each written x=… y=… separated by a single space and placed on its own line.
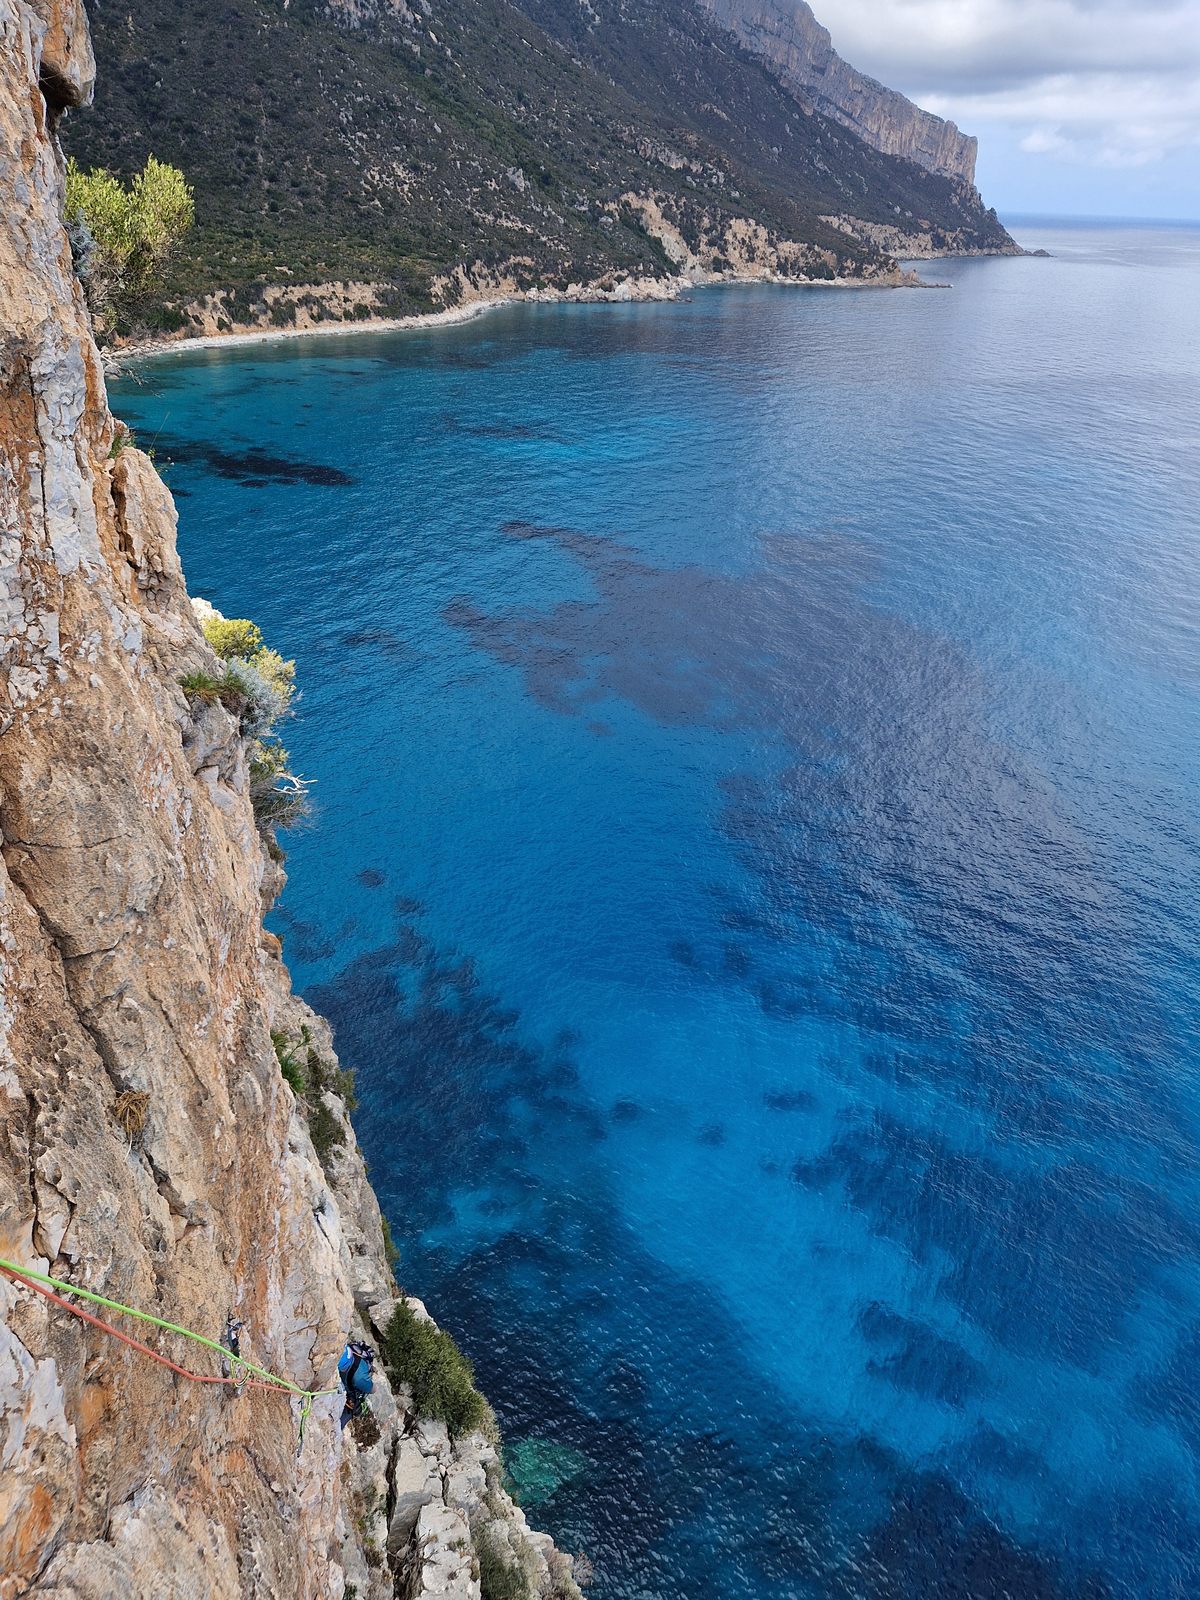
x=754 y=875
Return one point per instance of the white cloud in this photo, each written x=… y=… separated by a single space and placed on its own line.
x=1109 y=83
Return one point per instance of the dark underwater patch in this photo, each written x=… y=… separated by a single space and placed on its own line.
x=509 y=431
x=736 y=960
x=1051 y=1260
x=306 y=942
x=788 y=1100
x=934 y=1545
x=442 y=1066
x=252 y=468
x=371 y=877
x=912 y=1356
x=584 y=1341
x=381 y=639
x=674 y=1500
x=1171 y=1394
x=853 y=834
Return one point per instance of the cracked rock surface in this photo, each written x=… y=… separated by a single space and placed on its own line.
x=134 y=972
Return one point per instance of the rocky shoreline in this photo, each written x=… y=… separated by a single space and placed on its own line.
x=344 y=308
x=631 y=291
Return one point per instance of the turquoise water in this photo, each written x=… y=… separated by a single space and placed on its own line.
x=755 y=878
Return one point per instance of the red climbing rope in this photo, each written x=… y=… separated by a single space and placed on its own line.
x=136 y=1344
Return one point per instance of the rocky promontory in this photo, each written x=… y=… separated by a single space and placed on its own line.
x=354 y=161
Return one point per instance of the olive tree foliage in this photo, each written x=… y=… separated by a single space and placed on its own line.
x=122 y=238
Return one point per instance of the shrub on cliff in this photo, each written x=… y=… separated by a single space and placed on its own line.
x=233 y=636
x=263 y=702
x=309 y=1081
x=123 y=239
x=270 y=681
x=258 y=686
x=424 y=1357
x=501 y=1576
x=285 y=1054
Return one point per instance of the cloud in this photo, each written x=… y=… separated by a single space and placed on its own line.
x=1108 y=83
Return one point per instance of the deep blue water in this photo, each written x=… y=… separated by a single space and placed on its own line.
x=756 y=880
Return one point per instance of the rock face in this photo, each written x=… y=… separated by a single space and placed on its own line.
x=800 y=52
x=150 y=1148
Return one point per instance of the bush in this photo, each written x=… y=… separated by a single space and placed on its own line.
x=258 y=686
x=324 y=1129
x=390 y=1251
x=310 y=1080
x=268 y=681
x=426 y=1358
x=263 y=705
x=203 y=686
x=285 y=1054
x=233 y=636
x=122 y=239
x=500 y=1576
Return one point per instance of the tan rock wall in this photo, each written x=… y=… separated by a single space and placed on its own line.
x=130 y=925
x=134 y=972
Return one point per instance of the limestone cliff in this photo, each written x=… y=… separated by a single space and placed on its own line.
x=150 y=1148
x=800 y=52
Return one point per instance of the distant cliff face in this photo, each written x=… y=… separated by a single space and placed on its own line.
x=787 y=35
x=150 y=1148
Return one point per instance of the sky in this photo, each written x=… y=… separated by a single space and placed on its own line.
x=1081 y=107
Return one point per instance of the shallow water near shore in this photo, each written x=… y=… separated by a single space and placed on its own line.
x=756 y=880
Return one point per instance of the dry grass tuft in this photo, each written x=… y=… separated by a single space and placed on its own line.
x=130 y=1112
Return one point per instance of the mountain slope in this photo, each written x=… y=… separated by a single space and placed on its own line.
x=487 y=143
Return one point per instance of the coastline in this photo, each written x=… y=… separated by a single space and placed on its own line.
x=638 y=291
x=450 y=317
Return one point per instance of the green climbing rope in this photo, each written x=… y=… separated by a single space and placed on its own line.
x=306 y=1396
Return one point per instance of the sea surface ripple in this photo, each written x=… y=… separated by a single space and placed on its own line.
x=756 y=881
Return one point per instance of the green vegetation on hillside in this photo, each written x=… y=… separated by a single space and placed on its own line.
x=329 y=142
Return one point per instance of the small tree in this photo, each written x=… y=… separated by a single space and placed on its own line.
x=123 y=238
x=233 y=636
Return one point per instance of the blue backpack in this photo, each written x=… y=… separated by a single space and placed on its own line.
x=354 y=1369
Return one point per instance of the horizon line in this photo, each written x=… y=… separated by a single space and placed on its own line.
x=1094 y=216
